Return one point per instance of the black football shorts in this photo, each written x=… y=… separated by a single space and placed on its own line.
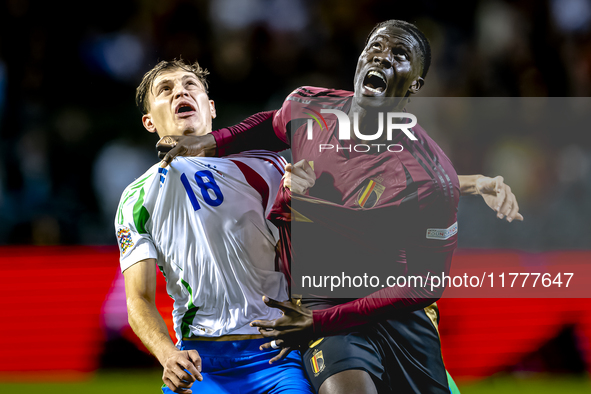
x=402 y=355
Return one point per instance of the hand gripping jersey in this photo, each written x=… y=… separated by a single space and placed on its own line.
x=399 y=207
x=203 y=220
x=396 y=208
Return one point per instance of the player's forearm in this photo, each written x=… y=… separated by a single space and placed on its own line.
x=389 y=301
x=255 y=132
x=382 y=304
x=148 y=325
x=340 y=318
x=468 y=184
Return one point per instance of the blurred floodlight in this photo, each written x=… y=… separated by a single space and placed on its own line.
x=279 y=15
x=572 y=15
x=287 y=16
x=236 y=14
x=120 y=55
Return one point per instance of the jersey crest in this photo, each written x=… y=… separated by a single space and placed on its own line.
x=317 y=362
x=370 y=192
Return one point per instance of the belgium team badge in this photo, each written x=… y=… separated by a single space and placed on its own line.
x=371 y=191
x=317 y=362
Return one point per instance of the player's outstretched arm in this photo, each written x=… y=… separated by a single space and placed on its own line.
x=496 y=194
x=255 y=132
x=146 y=322
x=298 y=325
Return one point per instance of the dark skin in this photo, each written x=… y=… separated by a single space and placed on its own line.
x=291 y=329
x=395 y=55
x=390 y=52
x=193 y=146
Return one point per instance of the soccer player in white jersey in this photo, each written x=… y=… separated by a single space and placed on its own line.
x=202 y=222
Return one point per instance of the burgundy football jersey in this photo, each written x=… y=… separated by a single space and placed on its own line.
x=396 y=208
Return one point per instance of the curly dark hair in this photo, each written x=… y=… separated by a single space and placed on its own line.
x=142 y=91
x=414 y=31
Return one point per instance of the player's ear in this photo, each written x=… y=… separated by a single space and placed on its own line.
x=149 y=123
x=212 y=109
x=416 y=85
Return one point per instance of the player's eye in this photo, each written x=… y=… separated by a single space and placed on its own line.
x=399 y=54
x=376 y=45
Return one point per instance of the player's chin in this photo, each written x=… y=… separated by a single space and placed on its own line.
x=372 y=101
x=190 y=129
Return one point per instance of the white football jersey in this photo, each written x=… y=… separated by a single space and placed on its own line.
x=204 y=221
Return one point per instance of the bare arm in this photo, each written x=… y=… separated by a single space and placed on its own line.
x=148 y=325
x=496 y=194
x=468 y=184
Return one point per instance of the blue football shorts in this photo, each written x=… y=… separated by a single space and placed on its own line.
x=239 y=367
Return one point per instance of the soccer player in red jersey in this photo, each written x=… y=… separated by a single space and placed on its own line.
x=387 y=342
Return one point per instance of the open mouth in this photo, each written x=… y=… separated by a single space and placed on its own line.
x=375 y=82
x=184 y=108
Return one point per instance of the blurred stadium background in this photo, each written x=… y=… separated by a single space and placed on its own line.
x=71 y=140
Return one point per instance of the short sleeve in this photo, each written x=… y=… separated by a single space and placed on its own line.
x=135 y=242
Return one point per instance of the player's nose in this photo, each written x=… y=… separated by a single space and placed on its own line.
x=180 y=91
x=383 y=60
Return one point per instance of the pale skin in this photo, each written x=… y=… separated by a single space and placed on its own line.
x=171 y=90
x=148 y=325
x=395 y=54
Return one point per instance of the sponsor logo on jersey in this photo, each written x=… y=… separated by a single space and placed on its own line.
x=370 y=193
x=124 y=239
x=317 y=362
x=442 y=233
x=202 y=329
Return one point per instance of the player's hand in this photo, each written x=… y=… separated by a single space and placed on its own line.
x=294 y=327
x=171 y=146
x=181 y=369
x=285 y=349
x=299 y=177
x=499 y=197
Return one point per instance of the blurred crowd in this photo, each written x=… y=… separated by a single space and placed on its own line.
x=71 y=137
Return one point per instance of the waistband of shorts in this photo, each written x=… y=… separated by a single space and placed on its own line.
x=230 y=348
x=225 y=338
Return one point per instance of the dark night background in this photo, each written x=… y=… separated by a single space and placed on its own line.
x=71 y=136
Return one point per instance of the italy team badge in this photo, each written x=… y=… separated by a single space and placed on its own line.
x=370 y=192
x=317 y=362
